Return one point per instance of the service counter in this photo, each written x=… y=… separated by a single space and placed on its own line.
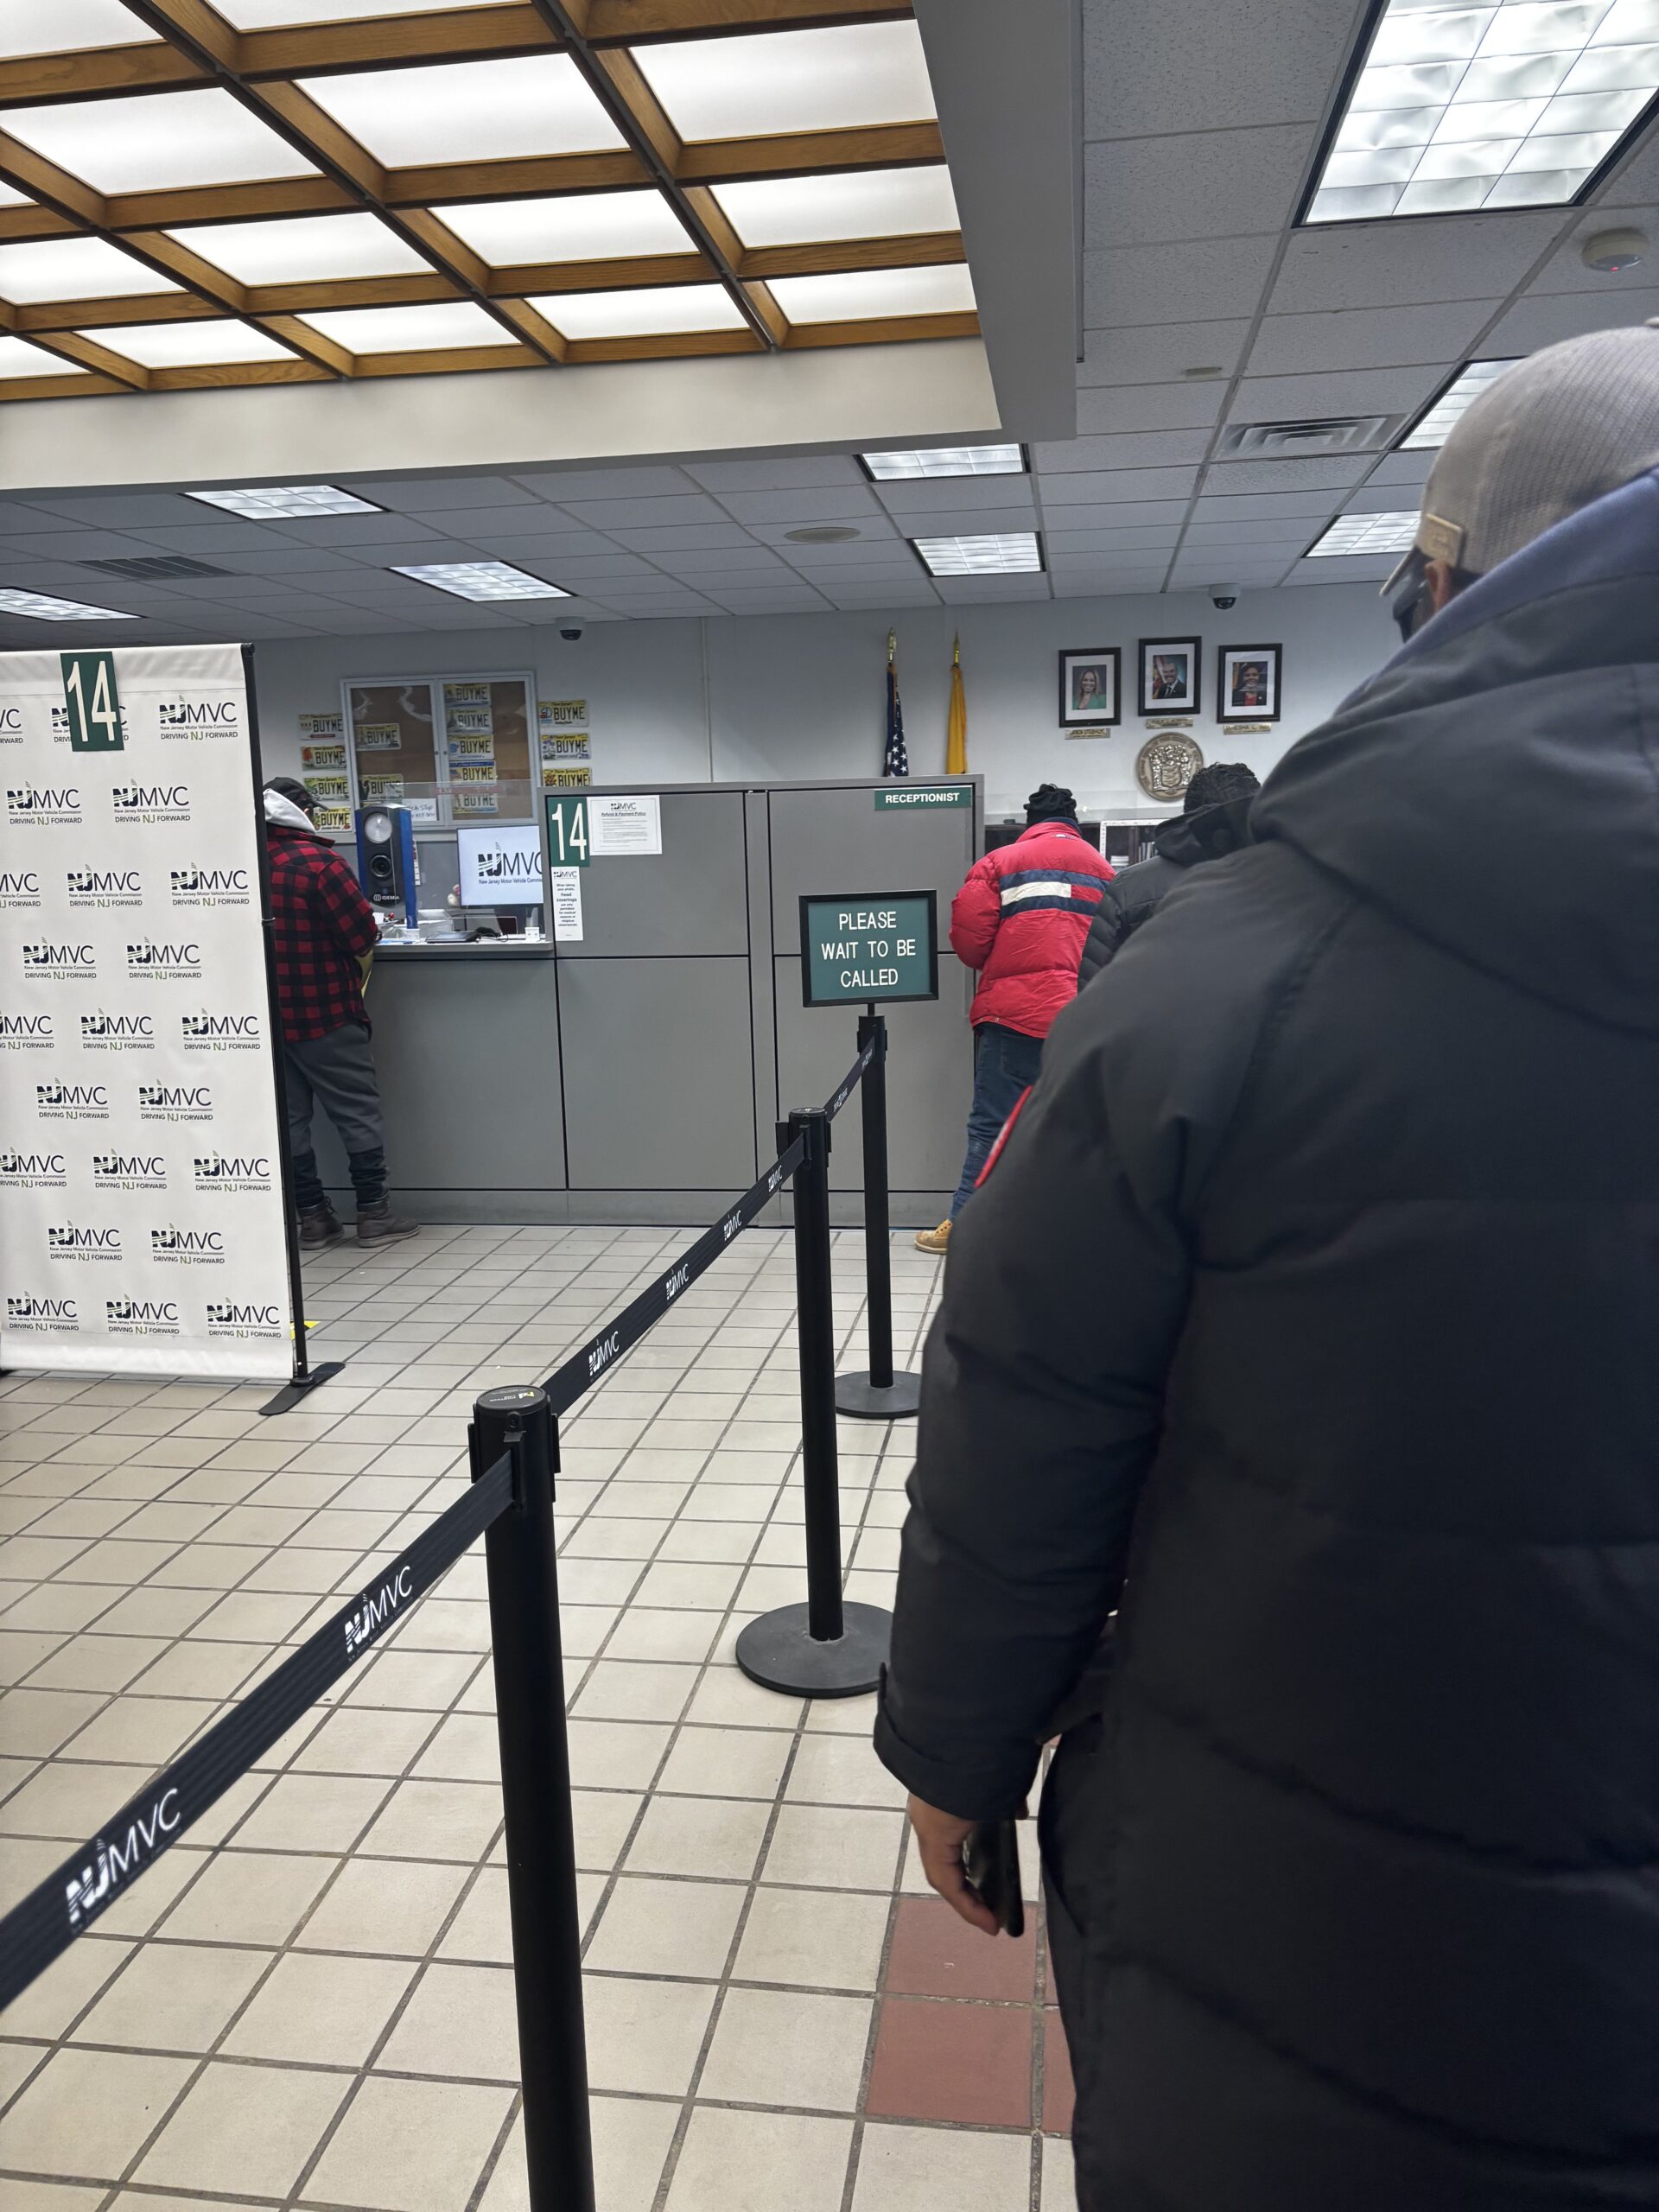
x=636 y=1073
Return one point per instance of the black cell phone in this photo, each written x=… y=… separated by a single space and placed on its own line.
x=991 y=1856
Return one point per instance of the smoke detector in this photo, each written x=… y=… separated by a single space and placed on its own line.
x=1609 y=253
x=1331 y=435
x=824 y=533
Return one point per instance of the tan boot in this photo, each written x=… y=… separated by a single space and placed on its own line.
x=934 y=1240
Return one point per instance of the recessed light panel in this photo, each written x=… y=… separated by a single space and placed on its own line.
x=468 y=111
x=270 y=502
x=1433 y=425
x=74 y=268
x=651 y=312
x=161 y=142
x=1008 y=553
x=945 y=461
x=274 y=14
x=19 y=358
x=1394 y=532
x=859 y=204
x=302 y=249
x=189 y=345
x=482 y=580
x=757 y=87
x=440 y=327
x=44 y=609
x=871 y=295
x=1510 y=105
x=67 y=26
x=567 y=226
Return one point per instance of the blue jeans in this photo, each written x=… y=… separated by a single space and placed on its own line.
x=1006 y=1062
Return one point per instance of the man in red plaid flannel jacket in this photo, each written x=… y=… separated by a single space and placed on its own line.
x=323 y=929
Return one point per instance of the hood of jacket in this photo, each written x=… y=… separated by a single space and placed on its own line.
x=282 y=815
x=1495 y=787
x=1210 y=833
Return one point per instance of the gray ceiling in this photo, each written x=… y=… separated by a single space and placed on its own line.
x=1200 y=122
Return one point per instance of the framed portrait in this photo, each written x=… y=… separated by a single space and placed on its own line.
x=1171 y=680
x=1091 y=687
x=1247 y=684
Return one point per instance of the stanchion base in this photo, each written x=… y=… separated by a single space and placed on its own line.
x=860 y=1399
x=293 y=1394
x=778 y=1652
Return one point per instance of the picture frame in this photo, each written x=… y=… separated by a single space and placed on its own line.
x=1171 y=675
x=1247 y=681
x=1091 y=688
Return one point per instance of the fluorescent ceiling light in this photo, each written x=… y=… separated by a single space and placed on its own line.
x=568 y=226
x=42 y=608
x=1394 y=532
x=1009 y=553
x=868 y=295
x=1433 y=425
x=158 y=142
x=946 y=460
x=774 y=81
x=1486 y=105
x=189 y=345
x=468 y=111
x=860 y=204
x=273 y=15
x=440 y=328
x=74 y=268
x=67 y=26
x=19 y=358
x=269 y=502
x=482 y=580
x=302 y=249
x=651 y=312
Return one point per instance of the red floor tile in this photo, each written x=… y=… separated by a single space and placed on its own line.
x=1060 y=2092
x=970 y=2062
x=936 y=1954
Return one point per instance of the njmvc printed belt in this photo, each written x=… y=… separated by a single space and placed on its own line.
x=65 y=1905
x=850 y=1081
x=583 y=1367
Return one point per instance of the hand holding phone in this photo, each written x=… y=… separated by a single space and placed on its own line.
x=991 y=1857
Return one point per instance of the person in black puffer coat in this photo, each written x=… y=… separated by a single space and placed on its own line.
x=1215 y=822
x=1310 y=1321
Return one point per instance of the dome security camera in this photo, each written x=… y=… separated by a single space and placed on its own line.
x=572 y=634
x=1224 y=595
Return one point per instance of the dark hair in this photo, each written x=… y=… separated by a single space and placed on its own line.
x=1051 y=803
x=290 y=788
x=1220 y=781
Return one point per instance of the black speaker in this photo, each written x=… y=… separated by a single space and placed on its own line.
x=386 y=859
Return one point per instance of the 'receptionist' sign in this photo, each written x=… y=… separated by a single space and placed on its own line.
x=868 y=947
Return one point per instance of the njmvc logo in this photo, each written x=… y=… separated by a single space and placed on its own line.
x=227 y=1316
x=150 y=958
x=123 y=886
x=41 y=1314
x=72 y=1243
x=45 y=958
x=118 y=1028
x=678 y=1281
x=73 y=1101
x=115 y=1863
x=43 y=802
x=26 y=1033
x=11 y=724
x=141 y=1315
x=171 y=1244
x=145 y=1171
x=19 y=887
x=197 y=714
x=729 y=1227
x=214 y=1167
x=376 y=1610
x=32 y=1169
x=603 y=1353
x=220 y=1028
x=209 y=886
x=175 y=1102
x=150 y=802
x=509 y=867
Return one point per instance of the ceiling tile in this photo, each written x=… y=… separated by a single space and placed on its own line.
x=1187 y=65
x=415 y=495
x=1265 y=506
x=215 y=538
x=1121 y=408
x=825 y=503
x=1565 y=270
x=1161 y=353
x=712 y=560
x=856 y=597
x=1135 y=583
x=668 y=537
x=1244 y=535
x=1092 y=486
x=1379 y=499
x=1402 y=468
x=875 y=530
x=644 y=514
x=1342 y=392
x=966 y=522
x=1148 y=450
x=1164 y=191
x=1285 y=475
x=156 y=141
x=568 y=226
x=845 y=203
x=1211 y=281
x=1533 y=323
x=122 y=510
x=965 y=591
x=1396 y=264
x=642 y=483
x=1369 y=338
x=533 y=104
x=830 y=79
x=559 y=543
x=787 y=473
x=929 y=495
x=304 y=249
x=1337 y=571
x=1108 y=539
x=349 y=530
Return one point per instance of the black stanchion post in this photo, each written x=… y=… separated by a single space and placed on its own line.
x=535 y=1789
x=826 y=1648
x=877 y=1393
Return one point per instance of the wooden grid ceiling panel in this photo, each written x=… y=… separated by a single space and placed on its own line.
x=487 y=186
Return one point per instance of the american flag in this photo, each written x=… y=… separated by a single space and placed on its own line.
x=897 y=759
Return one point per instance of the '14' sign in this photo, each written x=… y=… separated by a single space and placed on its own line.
x=93 y=704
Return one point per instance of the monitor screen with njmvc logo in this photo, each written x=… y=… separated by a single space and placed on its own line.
x=500 y=867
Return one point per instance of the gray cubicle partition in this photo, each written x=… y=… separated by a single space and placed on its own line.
x=636 y=1075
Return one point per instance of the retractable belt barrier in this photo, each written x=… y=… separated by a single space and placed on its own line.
x=513 y=1441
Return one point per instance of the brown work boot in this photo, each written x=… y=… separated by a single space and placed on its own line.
x=320 y=1225
x=378 y=1224
x=934 y=1240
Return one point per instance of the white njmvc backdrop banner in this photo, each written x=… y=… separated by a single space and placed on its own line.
x=142 y=1222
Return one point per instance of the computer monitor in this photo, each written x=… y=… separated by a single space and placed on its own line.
x=500 y=864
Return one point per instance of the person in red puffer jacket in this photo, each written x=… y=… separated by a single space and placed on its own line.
x=1021 y=919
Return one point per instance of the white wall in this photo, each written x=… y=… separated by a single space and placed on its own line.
x=776 y=697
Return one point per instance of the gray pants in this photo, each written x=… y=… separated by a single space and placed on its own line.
x=336 y=1072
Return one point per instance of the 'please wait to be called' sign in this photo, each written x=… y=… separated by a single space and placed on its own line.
x=863 y=947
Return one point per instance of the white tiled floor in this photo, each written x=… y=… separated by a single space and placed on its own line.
x=307 y=2001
